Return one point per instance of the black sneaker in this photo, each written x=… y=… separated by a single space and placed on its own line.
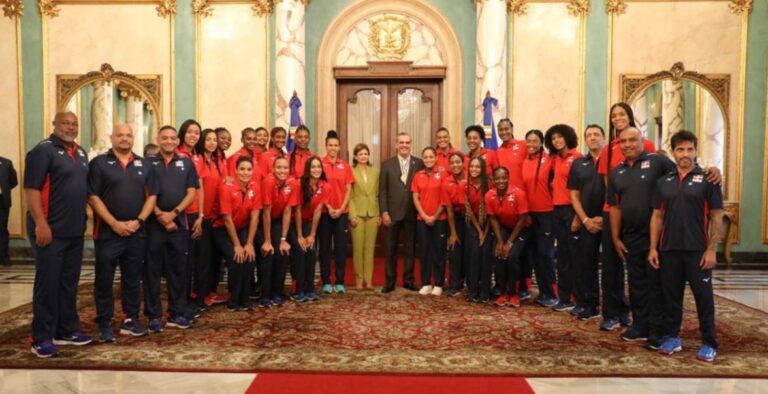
x=653 y=342
x=625 y=320
x=588 y=314
x=452 y=293
x=132 y=327
x=633 y=333
x=576 y=310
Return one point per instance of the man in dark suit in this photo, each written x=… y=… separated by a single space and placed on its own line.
x=8 y=181
x=398 y=214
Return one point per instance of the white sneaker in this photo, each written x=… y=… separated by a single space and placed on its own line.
x=425 y=290
x=437 y=290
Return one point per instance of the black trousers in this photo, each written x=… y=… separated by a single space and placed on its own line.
x=645 y=293
x=479 y=259
x=615 y=301
x=676 y=268
x=408 y=230
x=457 y=264
x=303 y=261
x=273 y=265
x=4 y=236
x=166 y=252
x=566 y=246
x=128 y=253
x=54 y=294
x=207 y=254
x=334 y=238
x=508 y=268
x=540 y=252
x=192 y=257
x=239 y=275
x=586 y=257
x=433 y=243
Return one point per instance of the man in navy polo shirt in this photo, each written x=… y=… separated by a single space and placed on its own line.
x=630 y=188
x=122 y=192
x=687 y=214
x=168 y=233
x=56 y=190
x=587 y=197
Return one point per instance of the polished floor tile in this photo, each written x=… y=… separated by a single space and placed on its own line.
x=646 y=385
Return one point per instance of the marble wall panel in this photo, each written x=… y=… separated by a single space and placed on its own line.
x=9 y=111
x=233 y=70
x=544 y=68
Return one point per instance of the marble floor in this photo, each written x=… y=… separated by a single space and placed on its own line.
x=749 y=287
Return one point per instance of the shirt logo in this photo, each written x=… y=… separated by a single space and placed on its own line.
x=698 y=178
x=585 y=164
x=111 y=163
x=622 y=170
x=511 y=198
x=515 y=147
x=287 y=190
x=154 y=163
x=137 y=163
x=180 y=164
x=669 y=179
x=139 y=172
x=80 y=152
x=61 y=152
x=250 y=193
x=645 y=164
x=437 y=176
x=340 y=166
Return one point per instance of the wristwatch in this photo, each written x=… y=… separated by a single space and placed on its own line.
x=176 y=211
x=283 y=238
x=140 y=220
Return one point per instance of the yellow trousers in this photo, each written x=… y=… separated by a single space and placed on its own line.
x=363 y=246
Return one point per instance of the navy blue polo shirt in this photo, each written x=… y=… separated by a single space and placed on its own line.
x=173 y=179
x=686 y=204
x=122 y=189
x=584 y=178
x=61 y=175
x=631 y=188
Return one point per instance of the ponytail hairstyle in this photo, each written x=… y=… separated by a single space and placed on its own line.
x=292 y=162
x=331 y=135
x=183 y=132
x=306 y=189
x=612 y=130
x=482 y=215
x=538 y=133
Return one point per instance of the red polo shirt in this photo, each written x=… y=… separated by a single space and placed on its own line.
x=433 y=192
x=267 y=159
x=456 y=192
x=537 y=189
x=238 y=203
x=296 y=162
x=509 y=207
x=511 y=155
x=561 y=195
x=197 y=160
x=443 y=163
x=319 y=196
x=232 y=161
x=279 y=196
x=491 y=161
x=339 y=175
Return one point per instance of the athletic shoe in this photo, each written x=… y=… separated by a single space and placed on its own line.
x=278 y=301
x=671 y=346
x=653 y=342
x=577 y=310
x=217 y=298
x=471 y=298
x=179 y=322
x=501 y=301
x=437 y=291
x=609 y=324
x=327 y=289
x=265 y=303
x=299 y=298
x=340 y=289
x=425 y=290
x=625 y=320
x=155 y=326
x=246 y=308
x=132 y=327
x=233 y=308
x=76 y=339
x=562 y=307
x=45 y=349
x=452 y=293
x=707 y=353
x=496 y=291
x=546 y=301
x=106 y=335
x=313 y=297
x=632 y=334
x=484 y=301
x=588 y=314
x=524 y=295
x=514 y=301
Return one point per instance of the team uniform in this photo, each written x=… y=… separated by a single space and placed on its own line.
x=478 y=257
x=563 y=217
x=297 y=161
x=685 y=202
x=630 y=188
x=60 y=173
x=433 y=193
x=443 y=163
x=490 y=158
x=457 y=267
x=232 y=160
x=511 y=155
x=279 y=196
x=123 y=188
x=304 y=260
x=507 y=208
x=335 y=231
x=267 y=159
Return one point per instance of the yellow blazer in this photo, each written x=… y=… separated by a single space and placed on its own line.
x=364 y=200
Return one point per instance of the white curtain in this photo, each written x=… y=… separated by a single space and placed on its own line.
x=673 y=107
x=134 y=117
x=364 y=123
x=712 y=144
x=101 y=118
x=414 y=116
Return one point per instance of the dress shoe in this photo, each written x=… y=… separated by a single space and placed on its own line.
x=387 y=289
x=411 y=287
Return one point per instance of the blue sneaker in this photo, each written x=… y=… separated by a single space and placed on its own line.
x=106 y=335
x=563 y=307
x=609 y=324
x=45 y=349
x=155 y=326
x=671 y=346
x=313 y=297
x=179 y=322
x=76 y=339
x=524 y=295
x=327 y=289
x=265 y=303
x=707 y=353
x=547 y=301
x=300 y=297
x=577 y=310
x=340 y=289
x=132 y=327
x=278 y=301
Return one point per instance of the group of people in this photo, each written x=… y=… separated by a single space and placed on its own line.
x=493 y=217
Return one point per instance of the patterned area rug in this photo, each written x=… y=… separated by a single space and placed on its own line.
x=402 y=332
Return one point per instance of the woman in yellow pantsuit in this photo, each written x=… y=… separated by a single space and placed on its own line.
x=364 y=215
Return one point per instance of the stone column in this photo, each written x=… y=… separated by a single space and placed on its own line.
x=134 y=117
x=290 y=49
x=491 y=57
x=101 y=118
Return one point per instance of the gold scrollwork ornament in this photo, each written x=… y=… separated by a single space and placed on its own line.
x=262 y=7
x=166 y=8
x=578 y=7
x=740 y=7
x=517 y=7
x=202 y=8
x=390 y=37
x=13 y=8
x=48 y=8
x=615 y=7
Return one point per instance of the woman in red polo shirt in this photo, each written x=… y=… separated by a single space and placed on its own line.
x=249 y=149
x=235 y=230
x=279 y=136
x=444 y=150
x=457 y=186
x=313 y=195
x=280 y=193
x=474 y=135
x=508 y=209
x=262 y=140
x=301 y=152
x=334 y=224
x=537 y=178
x=561 y=142
x=477 y=247
x=430 y=198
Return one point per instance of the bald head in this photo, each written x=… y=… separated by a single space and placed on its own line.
x=631 y=141
x=65 y=126
x=122 y=138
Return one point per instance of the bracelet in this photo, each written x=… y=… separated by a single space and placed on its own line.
x=283 y=238
x=585 y=219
